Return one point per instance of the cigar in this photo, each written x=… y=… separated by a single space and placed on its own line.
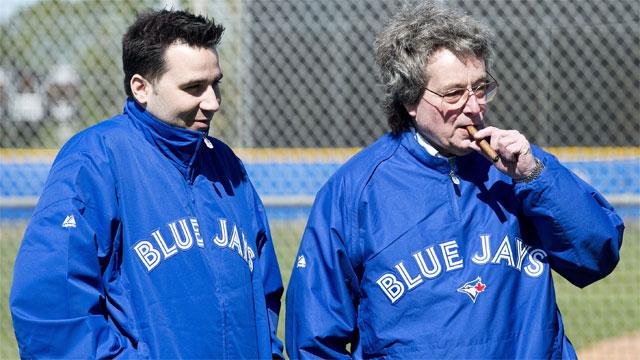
x=484 y=145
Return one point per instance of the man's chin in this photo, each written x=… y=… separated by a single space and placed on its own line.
x=202 y=126
x=461 y=150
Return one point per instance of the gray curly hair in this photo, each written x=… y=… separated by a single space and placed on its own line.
x=406 y=44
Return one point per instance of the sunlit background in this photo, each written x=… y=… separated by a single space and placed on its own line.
x=300 y=95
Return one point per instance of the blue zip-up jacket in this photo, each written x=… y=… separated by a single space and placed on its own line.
x=149 y=241
x=407 y=255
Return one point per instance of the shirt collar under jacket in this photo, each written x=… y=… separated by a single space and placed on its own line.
x=427 y=146
x=178 y=144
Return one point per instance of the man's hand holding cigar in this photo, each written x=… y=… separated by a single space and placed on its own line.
x=513 y=151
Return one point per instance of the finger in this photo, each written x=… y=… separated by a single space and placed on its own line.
x=514 y=150
x=506 y=141
x=487 y=150
x=486 y=132
x=509 y=137
x=497 y=138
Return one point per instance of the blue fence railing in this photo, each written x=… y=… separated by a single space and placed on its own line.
x=288 y=187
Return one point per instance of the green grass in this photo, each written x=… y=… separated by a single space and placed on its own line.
x=286 y=238
x=609 y=307
x=10 y=235
x=606 y=309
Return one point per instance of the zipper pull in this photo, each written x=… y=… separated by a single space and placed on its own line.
x=452 y=172
x=208 y=142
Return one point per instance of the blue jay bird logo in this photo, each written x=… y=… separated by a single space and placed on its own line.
x=473 y=288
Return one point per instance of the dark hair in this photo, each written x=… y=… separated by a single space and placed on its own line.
x=405 y=46
x=146 y=40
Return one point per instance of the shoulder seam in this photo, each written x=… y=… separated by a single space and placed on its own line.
x=362 y=183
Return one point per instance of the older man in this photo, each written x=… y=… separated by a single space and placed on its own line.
x=424 y=245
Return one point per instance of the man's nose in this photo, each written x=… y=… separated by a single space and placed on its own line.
x=210 y=100
x=472 y=106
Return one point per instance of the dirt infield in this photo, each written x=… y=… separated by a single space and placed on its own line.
x=624 y=347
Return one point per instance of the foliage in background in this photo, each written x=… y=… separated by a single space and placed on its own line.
x=300 y=73
x=87 y=36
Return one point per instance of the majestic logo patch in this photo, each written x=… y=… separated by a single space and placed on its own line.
x=69 y=222
x=473 y=288
x=302 y=262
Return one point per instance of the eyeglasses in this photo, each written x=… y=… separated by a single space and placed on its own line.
x=484 y=92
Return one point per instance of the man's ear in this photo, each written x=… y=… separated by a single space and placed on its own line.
x=140 y=88
x=412 y=110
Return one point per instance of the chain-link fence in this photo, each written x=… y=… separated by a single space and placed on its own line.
x=300 y=76
x=302 y=72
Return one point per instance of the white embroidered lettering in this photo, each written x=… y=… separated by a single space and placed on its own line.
x=391 y=287
x=535 y=268
x=166 y=250
x=411 y=282
x=450 y=252
x=150 y=257
x=223 y=239
x=504 y=253
x=522 y=249
x=436 y=267
x=196 y=232
x=486 y=251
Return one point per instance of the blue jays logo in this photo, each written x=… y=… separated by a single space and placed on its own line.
x=473 y=288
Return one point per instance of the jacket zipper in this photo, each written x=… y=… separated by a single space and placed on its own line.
x=455 y=190
x=191 y=177
x=452 y=171
x=225 y=342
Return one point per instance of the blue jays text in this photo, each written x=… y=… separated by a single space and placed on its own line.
x=395 y=287
x=183 y=240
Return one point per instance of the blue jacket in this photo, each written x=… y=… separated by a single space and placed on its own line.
x=401 y=262
x=149 y=241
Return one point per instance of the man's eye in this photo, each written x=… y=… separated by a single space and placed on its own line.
x=484 y=88
x=193 y=88
x=480 y=89
x=455 y=94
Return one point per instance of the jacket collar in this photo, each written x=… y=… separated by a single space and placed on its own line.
x=410 y=142
x=177 y=144
x=443 y=164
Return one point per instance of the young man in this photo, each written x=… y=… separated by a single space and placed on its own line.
x=420 y=247
x=149 y=239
